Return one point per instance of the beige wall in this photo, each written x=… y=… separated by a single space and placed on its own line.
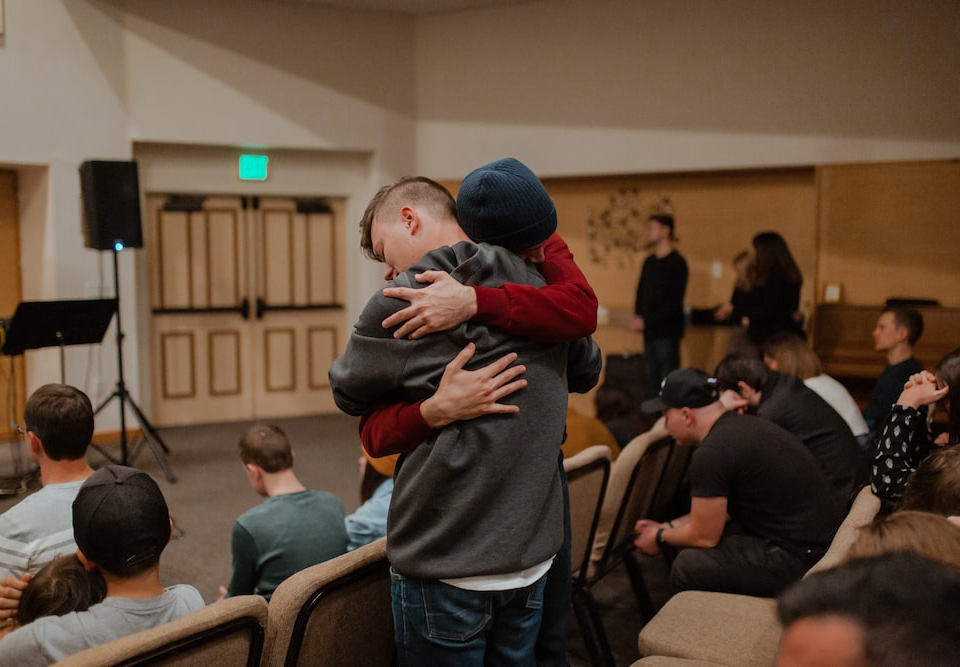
x=570 y=87
x=575 y=87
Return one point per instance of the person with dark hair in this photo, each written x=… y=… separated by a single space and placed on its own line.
x=774 y=301
x=748 y=385
x=898 y=330
x=472 y=529
x=935 y=485
x=61 y=586
x=791 y=354
x=905 y=439
x=58 y=427
x=658 y=309
x=761 y=511
x=121 y=525
x=293 y=529
x=887 y=611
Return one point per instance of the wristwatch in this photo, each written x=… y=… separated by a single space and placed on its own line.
x=660 y=539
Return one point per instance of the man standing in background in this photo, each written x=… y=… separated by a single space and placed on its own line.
x=658 y=312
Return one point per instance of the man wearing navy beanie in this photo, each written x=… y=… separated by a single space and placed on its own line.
x=564 y=310
x=489 y=534
x=504 y=203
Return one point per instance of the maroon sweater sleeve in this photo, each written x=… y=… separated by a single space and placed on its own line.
x=565 y=309
x=393 y=429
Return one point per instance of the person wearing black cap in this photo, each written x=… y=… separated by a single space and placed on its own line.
x=121 y=525
x=476 y=511
x=761 y=510
x=658 y=310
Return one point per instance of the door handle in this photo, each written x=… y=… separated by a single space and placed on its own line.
x=261 y=307
x=245 y=308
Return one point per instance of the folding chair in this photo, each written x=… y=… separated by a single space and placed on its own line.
x=587 y=475
x=634 y=478
x=337 y=613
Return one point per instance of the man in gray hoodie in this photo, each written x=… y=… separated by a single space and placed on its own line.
x=476 y=515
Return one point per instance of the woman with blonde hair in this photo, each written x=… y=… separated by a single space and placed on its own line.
x=928 y=534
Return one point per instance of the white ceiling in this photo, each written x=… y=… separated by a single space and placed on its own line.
x=412 y=7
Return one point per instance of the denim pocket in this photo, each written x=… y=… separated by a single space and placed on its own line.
x=455 y=614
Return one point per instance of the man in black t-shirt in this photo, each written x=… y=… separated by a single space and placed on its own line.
x=746 y=383
x=761 y=512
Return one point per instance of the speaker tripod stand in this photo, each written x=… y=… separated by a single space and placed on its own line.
x=150 y=436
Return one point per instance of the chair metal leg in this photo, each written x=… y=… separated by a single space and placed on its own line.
x=640 y=591
x=591 y=625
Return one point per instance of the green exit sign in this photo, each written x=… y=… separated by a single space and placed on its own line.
x=253 y=167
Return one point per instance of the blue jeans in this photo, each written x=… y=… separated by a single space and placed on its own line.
x=440 y=625
x=660 y=356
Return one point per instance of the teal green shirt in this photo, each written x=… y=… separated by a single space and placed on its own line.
x=283 y=535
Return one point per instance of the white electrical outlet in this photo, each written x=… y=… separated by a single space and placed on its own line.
x=716 y=269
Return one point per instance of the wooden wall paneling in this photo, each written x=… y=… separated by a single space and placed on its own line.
x=12 y=380
x=890 y=230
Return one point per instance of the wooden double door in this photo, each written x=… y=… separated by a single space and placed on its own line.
x=246 y=302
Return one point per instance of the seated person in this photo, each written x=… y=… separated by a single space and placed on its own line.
x=905 y=438
x=761 y=510
x=620 y=412
x=61 y=586
x=58 y=423
x=935 y=485
x=121 y=525
x=369 y=522
x=898 y=330
x=887 y=611
x=789 y=353
x=747 y=384
x=928 y=534
x=293 y=529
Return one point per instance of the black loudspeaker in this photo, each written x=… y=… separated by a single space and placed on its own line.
x=111 y=204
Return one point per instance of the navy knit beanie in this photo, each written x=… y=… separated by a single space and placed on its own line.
x=504 y=203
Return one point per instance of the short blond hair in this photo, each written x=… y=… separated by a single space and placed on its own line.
x=409 y=190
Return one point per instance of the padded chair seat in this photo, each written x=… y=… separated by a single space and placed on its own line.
x=739 y=630
x=735 y=630
x=667 y=661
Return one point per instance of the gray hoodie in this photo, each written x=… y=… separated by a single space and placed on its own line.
x=483 y=496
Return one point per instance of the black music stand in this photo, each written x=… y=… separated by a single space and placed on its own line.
x=37 y=324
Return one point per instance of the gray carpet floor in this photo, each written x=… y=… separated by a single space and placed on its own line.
x=211 y=490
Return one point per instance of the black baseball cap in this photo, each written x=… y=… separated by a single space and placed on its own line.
x=684 y=388
x=120 y=519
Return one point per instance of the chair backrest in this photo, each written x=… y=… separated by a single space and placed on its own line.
x=228 y=633
x=634 y=478
x=674 y=473
x=334 y=613
x=587 y=475
x=864 y=508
